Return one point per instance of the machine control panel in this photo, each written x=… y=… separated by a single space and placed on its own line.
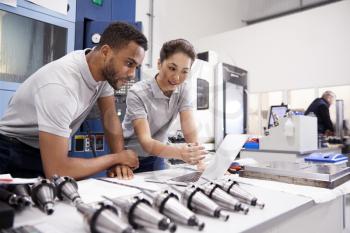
x=89 y=143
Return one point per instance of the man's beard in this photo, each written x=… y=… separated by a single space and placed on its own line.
x=112 y=77
x=109 y=74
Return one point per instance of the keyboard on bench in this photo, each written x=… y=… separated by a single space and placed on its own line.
x=188 y=178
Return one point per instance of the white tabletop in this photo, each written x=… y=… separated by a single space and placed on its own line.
x=278 y=206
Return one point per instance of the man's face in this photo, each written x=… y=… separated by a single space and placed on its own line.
x=331 y=100
x=120 y=66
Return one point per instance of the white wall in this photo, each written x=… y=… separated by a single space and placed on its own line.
x=189 y=19
x=194 y=19
x=303 y=50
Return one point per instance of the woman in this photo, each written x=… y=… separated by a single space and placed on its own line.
x=152 y=106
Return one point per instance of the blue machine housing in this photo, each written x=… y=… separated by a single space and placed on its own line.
x=89 y=141
x=38 y=13
x=91 y=17
x=83 y=19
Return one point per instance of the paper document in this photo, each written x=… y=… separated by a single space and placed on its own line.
x=137 y=181
x=91 y=190
x=8 y=179
x=9 y=2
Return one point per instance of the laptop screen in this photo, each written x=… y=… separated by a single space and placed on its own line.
x=224 y=156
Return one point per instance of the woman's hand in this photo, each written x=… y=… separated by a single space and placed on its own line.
x=201 y=166
x=192 y=153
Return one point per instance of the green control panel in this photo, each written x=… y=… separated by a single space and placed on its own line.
x=97 y=2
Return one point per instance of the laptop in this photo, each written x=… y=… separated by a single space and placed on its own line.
x=215 y=169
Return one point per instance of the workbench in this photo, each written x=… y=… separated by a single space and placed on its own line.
x=283 y=212
x=262 y=156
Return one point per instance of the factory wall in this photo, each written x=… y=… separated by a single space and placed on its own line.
x=302 y=50
x=191 y=20
x=294 y=55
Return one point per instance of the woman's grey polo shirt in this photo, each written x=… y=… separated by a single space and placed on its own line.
x=145 y=100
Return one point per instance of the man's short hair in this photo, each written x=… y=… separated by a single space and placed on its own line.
x=118 y=35
x=327 y=94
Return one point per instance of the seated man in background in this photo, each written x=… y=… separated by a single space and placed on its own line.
x=49 y=107
x=320 y=107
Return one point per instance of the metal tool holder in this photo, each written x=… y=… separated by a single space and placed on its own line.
x=168 y=204
x=18 y=202
x=105 y=219
x=67 y=188
x=233 y=188
x=140 y=214
x=194 y=198
x=43 y=194
x=222 y=198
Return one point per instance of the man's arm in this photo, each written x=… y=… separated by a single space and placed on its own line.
x=54 y=118
x=55 y=160
x=114 y=135
x=324 y=114
x=111 y=124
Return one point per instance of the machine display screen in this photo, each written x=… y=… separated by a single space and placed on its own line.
x=27 y=44
x=279 y=111
x=234 y=108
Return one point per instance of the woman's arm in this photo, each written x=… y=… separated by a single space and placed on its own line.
x=188 y=126
x=189 y=129
x=191 y=155
x=151 y=145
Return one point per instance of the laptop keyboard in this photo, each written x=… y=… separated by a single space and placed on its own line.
x=188 y=178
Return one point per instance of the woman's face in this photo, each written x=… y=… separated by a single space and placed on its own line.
x=174 y=70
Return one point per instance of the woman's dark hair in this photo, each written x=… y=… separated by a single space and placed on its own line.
x=174 y=46
x=118 y=35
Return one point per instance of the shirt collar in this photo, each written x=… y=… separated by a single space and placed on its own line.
x=85 y=71
x=157 y=92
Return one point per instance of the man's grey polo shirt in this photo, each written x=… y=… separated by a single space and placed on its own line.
x=55 y=99
x=145 y=100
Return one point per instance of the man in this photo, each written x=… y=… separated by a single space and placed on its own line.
x=320 y=107
x=51 y=104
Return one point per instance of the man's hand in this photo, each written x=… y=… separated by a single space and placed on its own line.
x=192 y=153
x=128 y=158
x=121 y=172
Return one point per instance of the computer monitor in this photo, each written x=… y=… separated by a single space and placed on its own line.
x=279 y=111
